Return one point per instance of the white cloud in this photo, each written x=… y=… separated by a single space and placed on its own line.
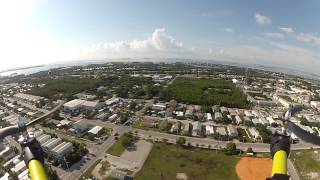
x=286 y=29
x=274 y=35
x=230 y=30
x=308 y=38
x=159 y=44
x=262 y=20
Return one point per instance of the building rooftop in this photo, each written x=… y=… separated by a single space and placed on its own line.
x=95 y=130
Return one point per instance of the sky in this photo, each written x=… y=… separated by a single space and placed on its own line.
x=282 y=33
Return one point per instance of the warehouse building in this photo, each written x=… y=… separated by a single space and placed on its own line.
x=79 y=104
x=95 y=130
x=62 y=149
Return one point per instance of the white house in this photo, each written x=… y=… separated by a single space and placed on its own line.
x=196 y=128
x=238 y=119
x=209 y=130
x=209 y=117
x=255 y=136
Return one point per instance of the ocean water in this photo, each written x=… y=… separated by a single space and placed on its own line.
x=46 y=67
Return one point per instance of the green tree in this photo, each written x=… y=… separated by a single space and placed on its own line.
x=51 y=174
x=249 y=150
x=127 y=140
x=231 y=149
x=304 y=121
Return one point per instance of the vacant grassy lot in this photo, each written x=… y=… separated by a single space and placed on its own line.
x=88 y=172
x=165 y=161
x=307 y=163
x=120 y=146
x=206 y=92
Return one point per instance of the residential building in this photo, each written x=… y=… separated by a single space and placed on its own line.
x=238 y=119
x=197 y=128
x=256 y=121
x=113 y=117
x=7 y=153
x=223 y=109
x=271 y=120
x=19 y=167
x=189 y=113
x=187 y=129
x=209 y=130
x=215 y=108
x=209 y=117
x=263 y=121
x=159 y=107
x=248 y=113
x=218 y=116
x=255 y=136
x=315 y=104
x=232 y=131
x=175 y=128
x=29 y=98
x=221 y=130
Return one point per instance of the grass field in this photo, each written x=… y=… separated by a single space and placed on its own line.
x=118 y=148
x=165 y=161
x=307 y=163
x=206 y=92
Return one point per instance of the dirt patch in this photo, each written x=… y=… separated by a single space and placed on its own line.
x=249 y=168
x=181 y=176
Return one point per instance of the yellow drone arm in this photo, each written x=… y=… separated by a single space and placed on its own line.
x=279 y=165
x=36 y=170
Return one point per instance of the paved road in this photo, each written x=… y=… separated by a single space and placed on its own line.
x=257 y=147
x=292 y=170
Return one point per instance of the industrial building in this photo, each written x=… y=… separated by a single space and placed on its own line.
x=81 y=126
x=95 y=130
x=79 y=104
x=62 y=149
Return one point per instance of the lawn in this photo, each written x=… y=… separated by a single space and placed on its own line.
x=165 y=161
x=206 y=92
x=306 y=162
x=119 y=146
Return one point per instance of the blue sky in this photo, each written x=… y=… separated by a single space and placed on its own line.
x=273 y=32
